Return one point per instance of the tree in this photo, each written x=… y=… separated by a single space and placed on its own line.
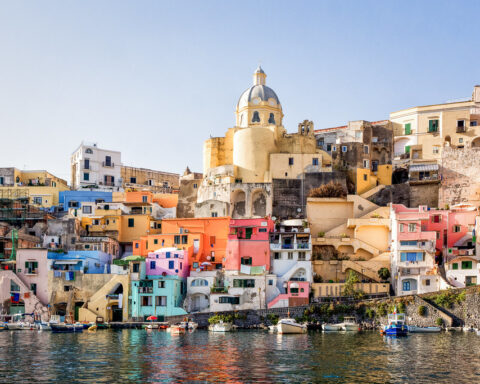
x=349 y=286
x=384 y=274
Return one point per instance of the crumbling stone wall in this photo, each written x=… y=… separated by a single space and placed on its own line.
x=460 y=170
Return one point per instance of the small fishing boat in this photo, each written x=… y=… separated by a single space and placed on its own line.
x=289 y=325
x=396 y=325
x=93 y=328
x=43 y=326
x=221 y=327
x=66 y=328
x=189 y=325
x=177 y=329
x=350 y=324
x=415 y=329
x=331 y=327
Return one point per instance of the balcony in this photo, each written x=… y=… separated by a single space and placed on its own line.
x=108 y=165
x=31 y=272
x=303 y=245
x=461 y=129
x=219 y=290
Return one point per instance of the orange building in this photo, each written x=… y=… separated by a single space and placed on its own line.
x=204 y=239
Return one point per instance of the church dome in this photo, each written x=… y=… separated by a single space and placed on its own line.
x=258 y=92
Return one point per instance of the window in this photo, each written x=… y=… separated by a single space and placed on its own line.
x=315 y=161
x=133 y=180
x=433 y=126
x=136 y=268
x=436 y=218
x=270 y=282
x=366 y=164
x=290 y=161
x=427 y=282
x=214 y=214
x=400 y=228
x=460 y=123
x=406 y=285
x=176 y=239
x=334 y=148
x=365 y=149
x=407 y=149
x=255 y=117
x=228 y=300
x=37 y=200
x=301 y=256
x=152 y=264
x=96 y=222
x=86 y=176
x=67 y=288
x=455 y=266
x=195 y=186
x=408 y=129
x=155 y=241
x=374 y=165
x=457 y=228
x=320 y=143
x=87 y=209
x=246 y=261
x=436 y=149
x=33 y=288
x=329 y=147
x=410 y=243
x=466 y=265
x=276 y=255
x=365 y=177
x=131 y=223
x=290 y=255
x=438 y=235
x=374 y=139
x=86 y=164
x=412 y=227
x=243 y=283
x=144 y=199
x=262 y=230
x=411 y=256
x=31 y=267
x=146 y=301
x=108 y=161
x=136 y=245
x=460 y=140
x=293 y=290
x=88 y=150
x=199 y=283
x=271 y=119
x=184 y=239
x=161 y=301
x=344 y=148
x=171 y=264
x=473 y=123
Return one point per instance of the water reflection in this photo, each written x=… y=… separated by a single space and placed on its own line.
x=138 y=356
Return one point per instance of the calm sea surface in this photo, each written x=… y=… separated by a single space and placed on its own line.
x=109 y=356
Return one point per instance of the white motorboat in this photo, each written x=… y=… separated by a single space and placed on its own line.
x=20 y=326
x=221 y=327
x=415 y=329
x=350 y=324
x=289 y=325
x=331 y=327
x=43 y=326
x=189 y=325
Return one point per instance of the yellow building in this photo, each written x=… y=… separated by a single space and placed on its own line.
x=239 y=167
x=422 y=132
x=41 y=187
x=350 y=234
x=148 y=179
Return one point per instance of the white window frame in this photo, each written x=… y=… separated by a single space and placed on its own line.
x=344 y=148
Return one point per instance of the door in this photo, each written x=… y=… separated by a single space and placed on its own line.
x=117 y=313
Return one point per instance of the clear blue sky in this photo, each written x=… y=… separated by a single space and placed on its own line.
x=155 y=79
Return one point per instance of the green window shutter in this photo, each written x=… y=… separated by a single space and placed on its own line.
x=454 y=266
x=408 y=129
x=432 y=125
x=407 y=149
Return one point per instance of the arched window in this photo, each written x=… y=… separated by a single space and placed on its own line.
x=199 y=283
x=88 y=150
x=271 y=119
x=256 y=117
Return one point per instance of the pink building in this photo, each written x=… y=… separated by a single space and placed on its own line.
x=167 y=261
x=248 y=246
x=32 y=269
x=424 y=239
x=297 y=293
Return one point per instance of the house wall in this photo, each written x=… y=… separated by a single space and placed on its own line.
x=40 y=278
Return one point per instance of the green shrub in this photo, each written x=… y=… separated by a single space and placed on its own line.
x=321 y=234
x=401 y=307
x=217 y=318
x=273 y=318
x=370 y=313
x=382 y=309
x=461 y=296
x=422 y=310
x=439 y=321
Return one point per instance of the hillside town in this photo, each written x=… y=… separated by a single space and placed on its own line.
x=278 y=217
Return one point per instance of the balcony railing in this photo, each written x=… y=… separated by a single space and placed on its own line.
x=287 y=246
x=108 y=165
x=461 y=129
x=219 y=290
x=303 y=245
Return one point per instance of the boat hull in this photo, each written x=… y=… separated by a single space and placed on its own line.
x=66 y=328
x=413 y=329
x=286 y=328
x=332 y=327
x=350 y=327
x=396 y=331
x=225 y=327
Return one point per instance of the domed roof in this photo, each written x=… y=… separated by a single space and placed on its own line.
x=257 y=91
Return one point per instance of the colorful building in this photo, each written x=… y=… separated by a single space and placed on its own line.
x=166 y=262
x=75 y=199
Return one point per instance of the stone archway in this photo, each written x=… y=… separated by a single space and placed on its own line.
x=476 y=142
x=259 y=203
x=238 y=204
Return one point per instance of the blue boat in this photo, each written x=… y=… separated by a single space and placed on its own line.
x=396 y=325
x=66 y=328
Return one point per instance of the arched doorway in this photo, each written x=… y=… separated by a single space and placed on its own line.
x=117 y=313
x=116 y=296
x=448 y=141
x=476 y=142
x=259 y=203
x=238 y=202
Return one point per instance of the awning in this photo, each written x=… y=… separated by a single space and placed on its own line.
x=423 y=167
x=67 y=262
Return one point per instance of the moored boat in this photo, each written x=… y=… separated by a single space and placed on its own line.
x=415 y=329
x=396 y=325
x=221 y=327
x=66 y=328
x=331 y=327
x=289 y=325
x=350 y=324
x=189 y=325
x=177 y=329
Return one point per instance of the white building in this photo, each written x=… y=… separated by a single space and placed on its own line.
x=97 y=168
x=291 y=253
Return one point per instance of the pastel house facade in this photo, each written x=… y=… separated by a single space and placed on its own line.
x=167 y=262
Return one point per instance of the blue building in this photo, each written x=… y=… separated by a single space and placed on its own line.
x=74 y=199
x=80 y=261
x=159 y=296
